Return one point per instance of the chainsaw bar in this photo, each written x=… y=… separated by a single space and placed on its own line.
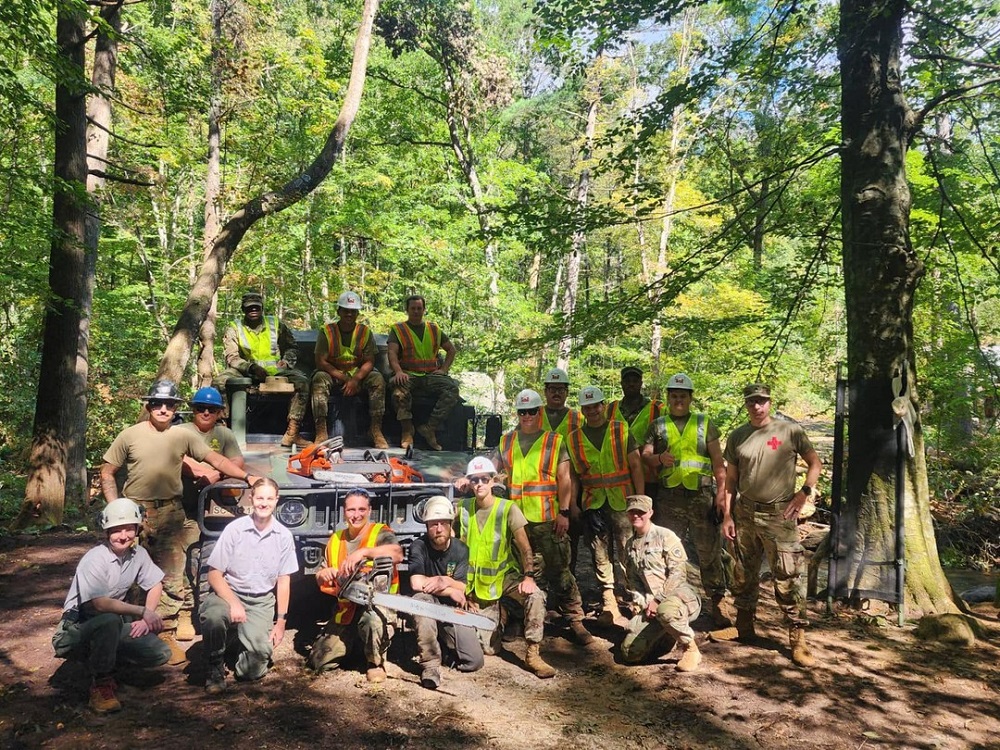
x=439 y=612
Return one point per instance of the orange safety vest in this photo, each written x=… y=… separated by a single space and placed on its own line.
x=532 y=478
x=418 y=356
x=604 y=471
x=638 y=427
x=570 y=422
x=336 y=553
x=348 y=358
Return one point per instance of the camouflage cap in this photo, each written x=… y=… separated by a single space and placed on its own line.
x=252 y=298
x=641 y=503
x=757 y=390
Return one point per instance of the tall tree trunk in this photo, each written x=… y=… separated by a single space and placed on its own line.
x=178 y=351
x=62 y=387
x=881 y=273
x=579 y=242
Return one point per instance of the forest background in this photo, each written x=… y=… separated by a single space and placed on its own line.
x=655 y=186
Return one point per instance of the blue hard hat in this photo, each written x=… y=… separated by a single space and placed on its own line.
x=207 y=396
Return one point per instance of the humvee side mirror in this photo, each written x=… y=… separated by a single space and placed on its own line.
x=493 y=431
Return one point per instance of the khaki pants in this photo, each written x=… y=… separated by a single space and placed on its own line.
x=104 y=639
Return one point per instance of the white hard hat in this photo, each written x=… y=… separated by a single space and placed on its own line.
x=349 y=301
x=527 y=399
x=120 y=512
x=438 y=508
x=556 y=375
x=480 y=465
x=680 y=382
x=591 y=395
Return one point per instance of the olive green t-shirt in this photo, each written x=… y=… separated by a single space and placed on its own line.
x=153 y=460
x=765 y=459
x=219 y=439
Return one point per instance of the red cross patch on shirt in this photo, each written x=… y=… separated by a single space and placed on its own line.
x=773 y=443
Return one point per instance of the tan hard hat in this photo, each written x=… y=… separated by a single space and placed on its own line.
x=438 y=508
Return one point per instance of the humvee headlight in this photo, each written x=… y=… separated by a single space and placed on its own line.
x=291 y=513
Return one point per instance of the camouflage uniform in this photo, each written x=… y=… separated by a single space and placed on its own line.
x=657 y=569
x=552 y=558
x=441 y=388
x=323 y=385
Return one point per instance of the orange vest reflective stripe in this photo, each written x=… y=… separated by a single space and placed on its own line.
x=418 y=356
x=531 y=480
x=336 y=552
x=570 y=422
x=638 y=428
x=346 y=358
x=604 y=471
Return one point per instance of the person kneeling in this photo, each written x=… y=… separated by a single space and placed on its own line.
x=250 y=571
x=97 y=625
x=439 y=567
x=664 y=605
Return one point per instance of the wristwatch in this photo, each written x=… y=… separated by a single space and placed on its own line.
x=564 y=512
x=807 y=490
x=529 y=574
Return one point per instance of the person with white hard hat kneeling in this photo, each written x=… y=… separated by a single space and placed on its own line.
x=439 y=569
x=98 y=626
x=493 y=527
x=345 y=366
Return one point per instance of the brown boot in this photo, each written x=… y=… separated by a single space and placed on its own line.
x=610 y=605
x=378 y=439
x=721 y=617
x=406 y=441
x=744 y=630
x=185 y=628
x=690 y=657
x=800 y=651
x=102 y=696
x=177 y=654
x=580 y=633
x=376 y=673
x=427 y=432
x=321 y=432
x=291 y=436
x=535 y=663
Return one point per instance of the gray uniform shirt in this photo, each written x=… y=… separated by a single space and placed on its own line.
x=251 y=560
x=101 y=573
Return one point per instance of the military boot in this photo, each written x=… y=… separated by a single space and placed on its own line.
x=800 y=651
x=215 y=683
x=720 y=612
x=321 y=432
x=177 y=654
x=427 y=432
x=378 y=439
x=743 y=631
x=580 y=633
x=535 y=663
x=291 y=436
x=690 y=657
x=185 y=628
x=406 y=441
x=608 y=616
x=102 y=696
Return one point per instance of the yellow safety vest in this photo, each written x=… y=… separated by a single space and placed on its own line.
x=691 y=459
x=570 y=422
x=336 y=553
x=490 y=557
x=346 y=358
x=531 y=480
x=260 y=347
x=418 y=356
x=639 y=426
x=604 y=473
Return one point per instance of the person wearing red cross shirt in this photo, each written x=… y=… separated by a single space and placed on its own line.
x=761 y=458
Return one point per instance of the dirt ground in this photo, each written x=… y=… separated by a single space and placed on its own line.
x=875 y=687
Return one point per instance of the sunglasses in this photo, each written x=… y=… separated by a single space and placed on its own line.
x=358 y=491
x=251 y=308
x=159 y=404
x=557 y=388
x=757 y=401
x=209 y=409
x=527 y=412
x=480 y=480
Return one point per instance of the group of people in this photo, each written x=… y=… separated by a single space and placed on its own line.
x=634 y=478
x=259 y=346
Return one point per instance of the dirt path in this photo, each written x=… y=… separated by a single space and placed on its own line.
x=876 y=687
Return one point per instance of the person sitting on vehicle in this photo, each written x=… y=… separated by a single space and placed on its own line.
x=349 y=549
x=413 y=351
x=345 y=365
x=439 y=568
x=492 y=528
x=663 y=604
x=98 y=627
x=250 y=571
x=261 y=345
